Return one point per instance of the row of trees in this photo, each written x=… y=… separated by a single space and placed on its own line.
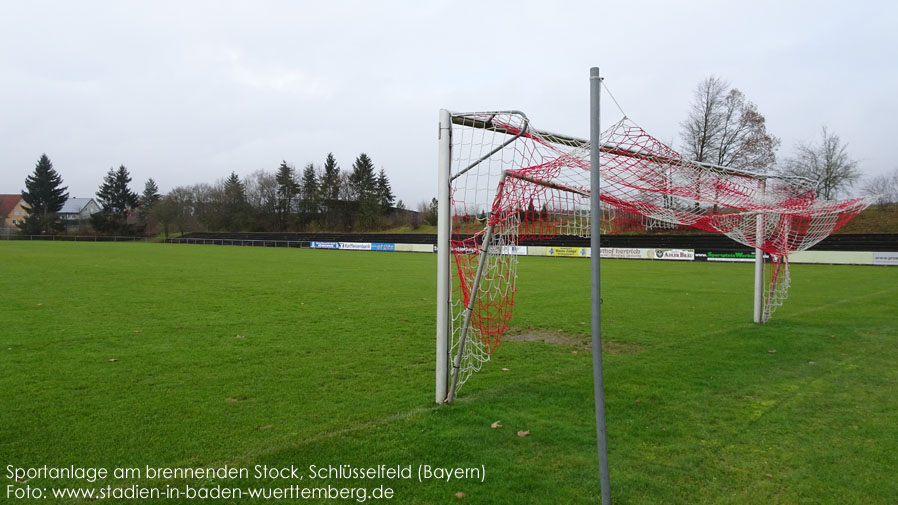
x=325 y=198
x=315 y=199
x=45 y=196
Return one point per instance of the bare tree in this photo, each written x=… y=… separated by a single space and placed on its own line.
x=703 y=125
x=744 y=142
x=261 y=191
x=725 y=129
x=827 y=164
x=882 y=189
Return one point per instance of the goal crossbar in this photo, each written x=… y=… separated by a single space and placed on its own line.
x=465 y=119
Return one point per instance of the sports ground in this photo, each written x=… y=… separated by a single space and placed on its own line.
x=155 y=356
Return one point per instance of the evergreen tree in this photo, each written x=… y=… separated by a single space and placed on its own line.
x=149 y=198
x=234 y=189
x=433 y=212
x=362 y=180
x=329 y=188
x=310 y=192
x=529 y=216
x=235 y=215
x=45 y=197
x=363 y=183
x=330 y=179
x=287 y=192
x=385 y=194
x=117 y=201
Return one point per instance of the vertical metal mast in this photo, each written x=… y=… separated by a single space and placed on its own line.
x=443 y=280
x=595 y=132
x=760 y=236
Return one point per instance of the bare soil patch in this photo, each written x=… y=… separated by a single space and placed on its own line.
x=582 y=341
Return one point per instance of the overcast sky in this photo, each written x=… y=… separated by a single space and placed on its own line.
x=189 y=91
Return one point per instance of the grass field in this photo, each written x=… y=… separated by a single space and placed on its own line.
x=251 y=356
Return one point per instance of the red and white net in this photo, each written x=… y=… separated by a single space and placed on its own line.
x=645 y=185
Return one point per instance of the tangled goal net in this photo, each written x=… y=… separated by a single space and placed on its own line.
x=509 y=181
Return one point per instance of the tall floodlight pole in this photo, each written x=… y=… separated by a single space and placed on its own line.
x=595 y=132
x=443 y=281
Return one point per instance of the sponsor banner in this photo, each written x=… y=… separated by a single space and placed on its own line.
x=885 y=258
x=325 y=245
x=674 y=254
x=568 y=252
x=633 y=253
x=517 y=250
x=383 y=247
x=626 y=253
x=355 y=246
x=732 y=256
x=833 y=257
x=427 y=248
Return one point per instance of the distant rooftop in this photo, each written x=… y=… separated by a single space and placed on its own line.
x=8 y=204
x=74 y=205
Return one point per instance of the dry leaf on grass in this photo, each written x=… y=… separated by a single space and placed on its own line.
x=239 y=336
x=459 y=495
x=138 y=331
x=497 y=424
x=523 y=433
x=772 y=351
x=504 y=369
x=113 y=360
x=267 y=426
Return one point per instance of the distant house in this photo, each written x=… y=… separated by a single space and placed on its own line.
x=75 y=213
x=13 y=211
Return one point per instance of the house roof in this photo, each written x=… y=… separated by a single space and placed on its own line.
x=8 y=204
x=74 y=205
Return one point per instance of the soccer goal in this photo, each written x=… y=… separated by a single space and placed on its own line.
x=503 y=181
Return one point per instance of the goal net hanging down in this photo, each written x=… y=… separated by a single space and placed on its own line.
x=508 y=182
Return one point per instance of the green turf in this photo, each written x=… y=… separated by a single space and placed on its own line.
x=252 y=356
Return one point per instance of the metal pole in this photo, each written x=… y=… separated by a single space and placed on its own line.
x=595 y=131
x=759 y=264
x=443 y=236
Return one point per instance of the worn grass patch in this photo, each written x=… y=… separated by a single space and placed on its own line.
x=117 y=355
x=574 y=341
